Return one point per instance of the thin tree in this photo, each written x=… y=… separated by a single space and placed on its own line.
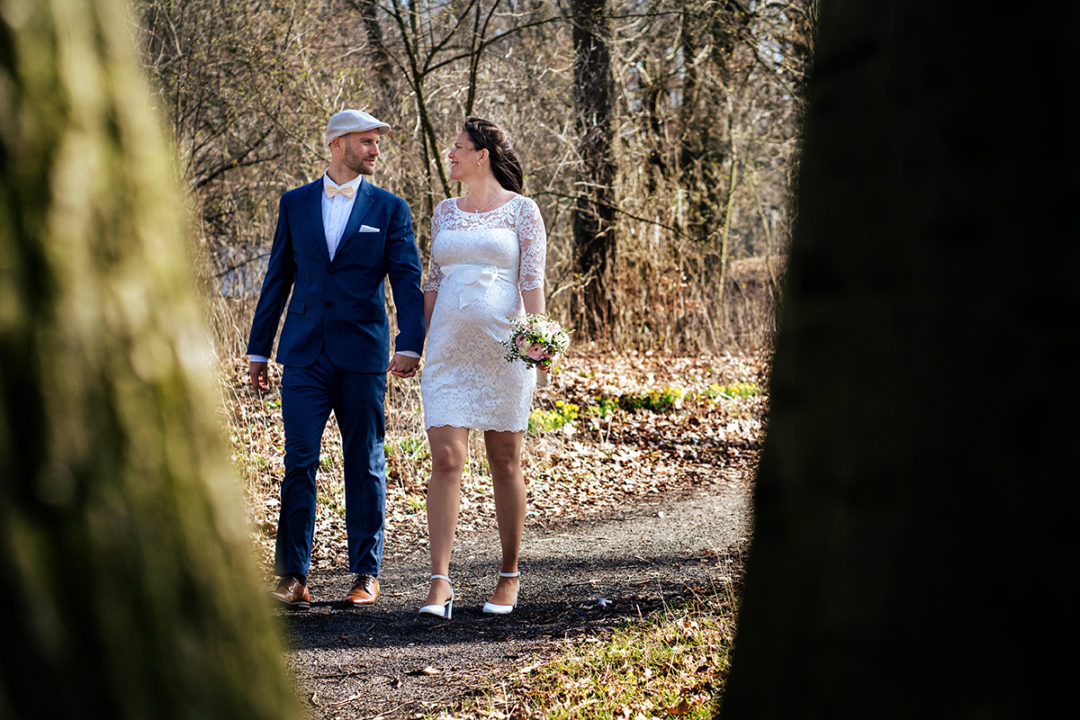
x=423 y=38
x=915 y=531
x=129 y=585
x=594 y=207
x=430 y=39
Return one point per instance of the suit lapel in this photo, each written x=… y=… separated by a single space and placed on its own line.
x=360 y=207
x=313 y=206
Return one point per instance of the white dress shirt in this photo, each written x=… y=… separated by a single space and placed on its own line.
x=336 y=210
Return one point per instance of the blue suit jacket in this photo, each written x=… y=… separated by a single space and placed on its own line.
x=340 y=305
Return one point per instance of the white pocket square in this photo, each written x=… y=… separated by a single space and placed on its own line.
x=367 y=228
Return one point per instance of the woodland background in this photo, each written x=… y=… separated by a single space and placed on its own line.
x=658 y=137
x=912 y=513
x=659 y=140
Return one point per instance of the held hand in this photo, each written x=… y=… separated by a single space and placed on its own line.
x=403 y=366
x=260 y=375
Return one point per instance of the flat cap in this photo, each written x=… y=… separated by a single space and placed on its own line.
x=350 y=121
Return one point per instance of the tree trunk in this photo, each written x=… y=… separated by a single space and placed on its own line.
x=706 y=140
x=128 y=578
x=594 y=210
x=378 y=55
x=915 y=521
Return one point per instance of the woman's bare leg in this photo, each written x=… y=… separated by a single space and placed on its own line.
x=504 y=458
x=449 y=449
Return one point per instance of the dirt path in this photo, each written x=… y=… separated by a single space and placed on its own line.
x=384 y=662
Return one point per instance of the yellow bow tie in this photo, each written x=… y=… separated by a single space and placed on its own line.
x=347 y=190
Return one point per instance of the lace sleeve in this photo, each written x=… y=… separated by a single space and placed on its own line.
x=434 y=272
x=532 y=239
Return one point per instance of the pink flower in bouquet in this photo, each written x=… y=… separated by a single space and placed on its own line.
x=537 y=352
x=536 y=340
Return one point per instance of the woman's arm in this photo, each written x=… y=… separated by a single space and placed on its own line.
x=431 y=288
x=533 y=300
x=429 y=306
x=532 y=241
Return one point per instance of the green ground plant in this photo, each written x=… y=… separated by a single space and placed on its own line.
x=411 y=446
x=732 y=391
x=605 y=406
x=562 y=414
x=656 y=400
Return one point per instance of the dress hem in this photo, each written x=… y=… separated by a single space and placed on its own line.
x=476 y=427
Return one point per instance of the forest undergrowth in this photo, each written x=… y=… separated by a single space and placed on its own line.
x=610 y=430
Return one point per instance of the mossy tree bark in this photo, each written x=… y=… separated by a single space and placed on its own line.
x=914 y=539
x=128 y=582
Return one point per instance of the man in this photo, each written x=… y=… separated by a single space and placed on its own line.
x=337 y=240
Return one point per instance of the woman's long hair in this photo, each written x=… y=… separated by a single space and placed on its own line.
x=486 y=135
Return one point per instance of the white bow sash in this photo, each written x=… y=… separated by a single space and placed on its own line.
x=476 y=279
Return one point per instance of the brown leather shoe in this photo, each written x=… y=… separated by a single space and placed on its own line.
x=364 y=592
x=292 y=593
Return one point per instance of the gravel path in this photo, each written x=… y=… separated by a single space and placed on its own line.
x=578 y=579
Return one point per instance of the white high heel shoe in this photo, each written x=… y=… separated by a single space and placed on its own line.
x=444 y=611
x=492 y=609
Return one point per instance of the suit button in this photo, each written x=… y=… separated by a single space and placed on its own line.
x=329 y=304
x=331 y=271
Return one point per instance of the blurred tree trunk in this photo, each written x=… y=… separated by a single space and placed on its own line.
x=594 y=210
x=129 y=582
x=915 y=521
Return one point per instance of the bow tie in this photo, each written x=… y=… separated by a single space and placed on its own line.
x=347 y=190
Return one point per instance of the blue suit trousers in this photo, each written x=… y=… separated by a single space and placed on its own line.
x=308 y=395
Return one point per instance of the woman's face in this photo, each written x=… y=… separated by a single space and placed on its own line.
x=465 y=159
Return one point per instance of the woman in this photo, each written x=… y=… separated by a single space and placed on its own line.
x=488 y=250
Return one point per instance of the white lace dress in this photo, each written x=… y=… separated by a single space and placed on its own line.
x=480 y=263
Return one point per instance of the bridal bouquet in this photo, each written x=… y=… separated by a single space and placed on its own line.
x=535 y=340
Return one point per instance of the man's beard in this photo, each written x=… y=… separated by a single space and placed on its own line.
x=356 y=164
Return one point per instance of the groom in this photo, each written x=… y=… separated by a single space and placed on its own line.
x=337 y=240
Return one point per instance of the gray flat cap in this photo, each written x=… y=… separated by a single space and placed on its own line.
x=350 y=121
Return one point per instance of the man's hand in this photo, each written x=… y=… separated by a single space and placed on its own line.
x=260 y=375
x=403 y=365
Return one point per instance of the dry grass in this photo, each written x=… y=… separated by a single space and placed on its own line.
x=673 y=663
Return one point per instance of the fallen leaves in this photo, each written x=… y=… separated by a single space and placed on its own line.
x=426 y=670
x=680 y=708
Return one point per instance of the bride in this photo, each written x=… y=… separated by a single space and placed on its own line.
x=488 y=251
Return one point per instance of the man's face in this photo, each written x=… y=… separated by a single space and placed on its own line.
x=361 y=150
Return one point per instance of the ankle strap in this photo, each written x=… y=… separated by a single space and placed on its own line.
x=440 y=577
x=513 y=574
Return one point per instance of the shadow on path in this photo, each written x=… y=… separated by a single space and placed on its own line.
x=576 y=581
